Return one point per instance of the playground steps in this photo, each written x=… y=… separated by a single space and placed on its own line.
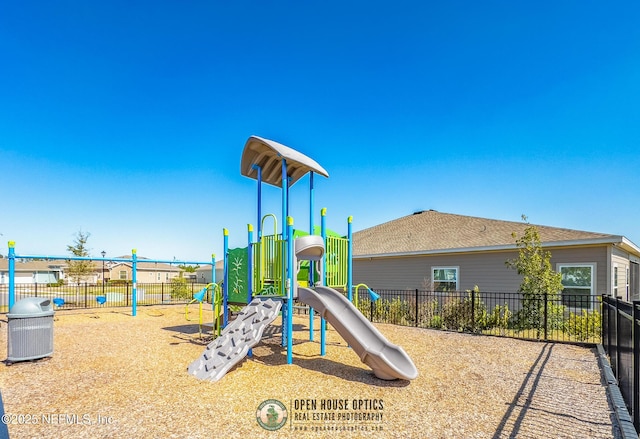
x=236 y=339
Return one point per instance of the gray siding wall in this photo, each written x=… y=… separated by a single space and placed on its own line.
x=487 y=270
x=620 y=259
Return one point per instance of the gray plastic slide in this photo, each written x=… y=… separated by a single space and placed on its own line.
x=387 y=360
x=235 y=340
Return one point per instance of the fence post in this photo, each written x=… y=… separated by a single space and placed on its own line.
x=127 y=295
x=473 y=310
x=546 y=314
x=12 y=273
x=36 y=289
x=417 y=308
x=636 y=364
x=610 y=323
x=617 y=341
x=603 y=308
x=372 y=304
x=162 y=292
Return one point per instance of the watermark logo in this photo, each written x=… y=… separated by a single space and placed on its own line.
x=271 y=414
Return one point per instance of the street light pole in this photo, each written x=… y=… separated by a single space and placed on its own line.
x=103 y=253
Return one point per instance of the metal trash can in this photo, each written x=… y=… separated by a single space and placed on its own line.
x=30 y=326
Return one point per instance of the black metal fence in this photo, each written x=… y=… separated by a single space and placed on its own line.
x=107 y=295
x=571 y=318
x=621 y=342
x=562 y=317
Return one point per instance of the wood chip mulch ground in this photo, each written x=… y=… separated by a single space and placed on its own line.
x=116 y=376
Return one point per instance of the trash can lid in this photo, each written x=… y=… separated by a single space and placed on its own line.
x=31 y=307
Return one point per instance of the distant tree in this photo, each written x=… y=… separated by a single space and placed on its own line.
x=80 y=271
x=189 y=268
x=539 y=281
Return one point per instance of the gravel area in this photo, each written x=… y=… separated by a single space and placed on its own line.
x=117 y=376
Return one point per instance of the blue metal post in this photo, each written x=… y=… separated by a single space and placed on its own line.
x=259 y=169
x=249 y=263
x=349 y=259
x=134 y=278
x=213 y=280
x=323 y=323
x=311 y=263
x=285 y=200
x=225 y=282
x=249 y=271
x=283 y=274
x=12 y=274
x=290 y=281
x=285 y=210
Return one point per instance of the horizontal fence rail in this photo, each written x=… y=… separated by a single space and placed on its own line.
x=107 y=295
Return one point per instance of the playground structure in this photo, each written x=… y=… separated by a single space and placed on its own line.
x=267 y=273
x=268 y=280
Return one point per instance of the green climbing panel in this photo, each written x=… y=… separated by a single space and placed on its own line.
x=238 y=263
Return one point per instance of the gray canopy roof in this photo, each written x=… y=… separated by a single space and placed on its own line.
x=269 y=154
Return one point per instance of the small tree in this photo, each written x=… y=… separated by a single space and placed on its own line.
x=179 y=288
x=80 y=271
x=189 y=268
x=539 y=280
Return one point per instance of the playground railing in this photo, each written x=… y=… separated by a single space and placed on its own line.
x=269 y=256
x=104 y=295
x=335 y=256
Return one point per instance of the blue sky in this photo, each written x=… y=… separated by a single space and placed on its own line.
x=127 y=120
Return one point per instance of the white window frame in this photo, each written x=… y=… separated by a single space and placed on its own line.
x=120 y=273
x=592 y=288
x=448 y=267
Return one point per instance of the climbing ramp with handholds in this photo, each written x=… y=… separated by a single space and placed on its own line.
x=236 y=339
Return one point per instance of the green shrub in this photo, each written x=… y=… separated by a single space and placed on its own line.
x=396 y=311
x=585 y=326
x=435 y=322
x=119 y=282
x=179 y=288
x=555 y=316
x=429 y=312
x=499 y=318
x=468 y=314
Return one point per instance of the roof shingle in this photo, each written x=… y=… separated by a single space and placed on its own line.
x=431 y=230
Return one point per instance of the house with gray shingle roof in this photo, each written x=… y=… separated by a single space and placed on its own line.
x=436 y=251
